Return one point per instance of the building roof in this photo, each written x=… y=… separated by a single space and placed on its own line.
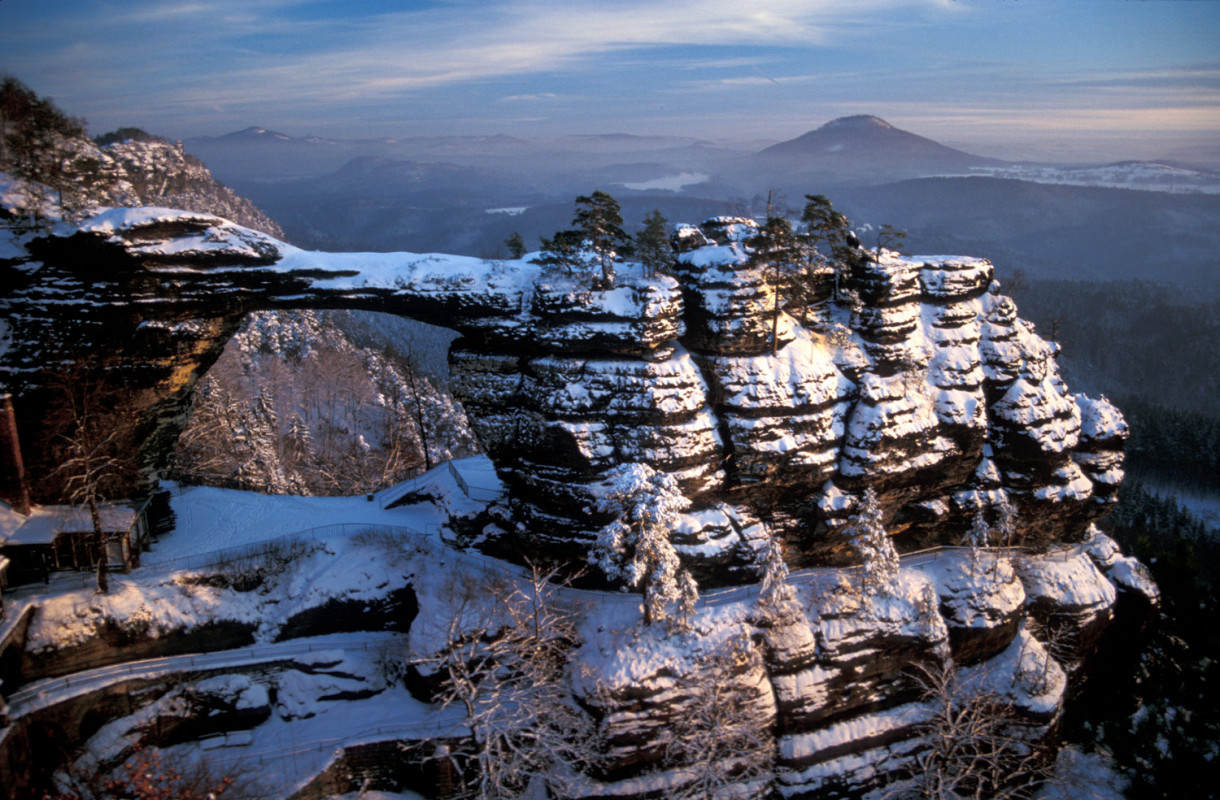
x=10 y=521
x=46 y=522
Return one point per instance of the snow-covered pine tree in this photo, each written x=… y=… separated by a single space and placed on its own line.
x=977 y=538
x=635 y=546
x=776 y=596
x=867 y=535
x=1006 y=534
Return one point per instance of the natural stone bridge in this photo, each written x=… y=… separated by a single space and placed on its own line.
x=917 y=378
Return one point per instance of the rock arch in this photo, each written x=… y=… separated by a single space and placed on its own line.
x=926 y=385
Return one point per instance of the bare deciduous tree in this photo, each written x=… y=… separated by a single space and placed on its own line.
x=721 y=744
x=505 y=661
x=975 y=744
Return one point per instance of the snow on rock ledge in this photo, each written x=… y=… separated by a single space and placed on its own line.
x=1127 y=573
x=912 y=376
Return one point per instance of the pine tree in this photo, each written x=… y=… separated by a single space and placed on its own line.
x=889 y=238
x=827 y=234
x=652 y=246
x=635 y=547
x=776 y=595
x=867 y=535
x=563 y=251
x=777 y=248
x=1006 y=534
x=977 y=538
x=825 y=229
x=599 y=218
x=515 y=245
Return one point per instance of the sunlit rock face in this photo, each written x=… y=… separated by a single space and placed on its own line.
x=847 y=684
x=910 y=375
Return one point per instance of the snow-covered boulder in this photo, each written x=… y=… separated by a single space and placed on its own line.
x=1068 y=596
x=981 y=599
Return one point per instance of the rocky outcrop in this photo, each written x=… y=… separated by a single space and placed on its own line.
x=914 y=376
x=848 y=682
x=149 y=171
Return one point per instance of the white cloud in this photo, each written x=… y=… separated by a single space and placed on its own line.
x=529 y=98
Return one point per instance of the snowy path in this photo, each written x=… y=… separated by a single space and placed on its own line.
x=44 y=693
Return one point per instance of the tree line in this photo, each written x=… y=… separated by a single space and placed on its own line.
x=797 y=258
x=47 y=149
x=1148 y=700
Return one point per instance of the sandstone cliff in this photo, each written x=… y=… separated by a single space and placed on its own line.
x=915 y=376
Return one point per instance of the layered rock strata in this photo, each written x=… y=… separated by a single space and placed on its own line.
x=910 y=375
x=849 y=683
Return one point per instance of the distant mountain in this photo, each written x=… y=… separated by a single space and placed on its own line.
x=1199 y=156
x=257 y=154
x=1149 y=176
x=862 y=149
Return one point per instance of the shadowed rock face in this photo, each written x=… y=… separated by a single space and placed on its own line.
x=915 y=376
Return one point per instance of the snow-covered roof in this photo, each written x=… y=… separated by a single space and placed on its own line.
x=10 y=521
x=47 y=522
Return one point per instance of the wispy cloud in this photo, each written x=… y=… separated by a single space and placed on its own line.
x=213 y=63
x=297 y=57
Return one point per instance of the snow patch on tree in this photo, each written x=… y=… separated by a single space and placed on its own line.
x=636 y=548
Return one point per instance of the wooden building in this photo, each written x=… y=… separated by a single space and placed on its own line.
x=52 y=538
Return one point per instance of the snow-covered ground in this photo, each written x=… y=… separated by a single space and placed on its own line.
x=211 y=519
x=1142 y=175
x=305 y=730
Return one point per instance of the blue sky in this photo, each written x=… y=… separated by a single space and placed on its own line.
x=983 y=74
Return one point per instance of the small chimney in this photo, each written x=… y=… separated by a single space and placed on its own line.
x=13 y=483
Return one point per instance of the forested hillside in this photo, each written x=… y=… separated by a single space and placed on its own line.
x=295 y=406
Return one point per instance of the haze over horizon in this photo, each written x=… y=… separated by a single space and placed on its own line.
x=1030 y=79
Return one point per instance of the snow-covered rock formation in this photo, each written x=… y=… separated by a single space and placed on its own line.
x=780 y=397
x=832 y=693
x=914 y=376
